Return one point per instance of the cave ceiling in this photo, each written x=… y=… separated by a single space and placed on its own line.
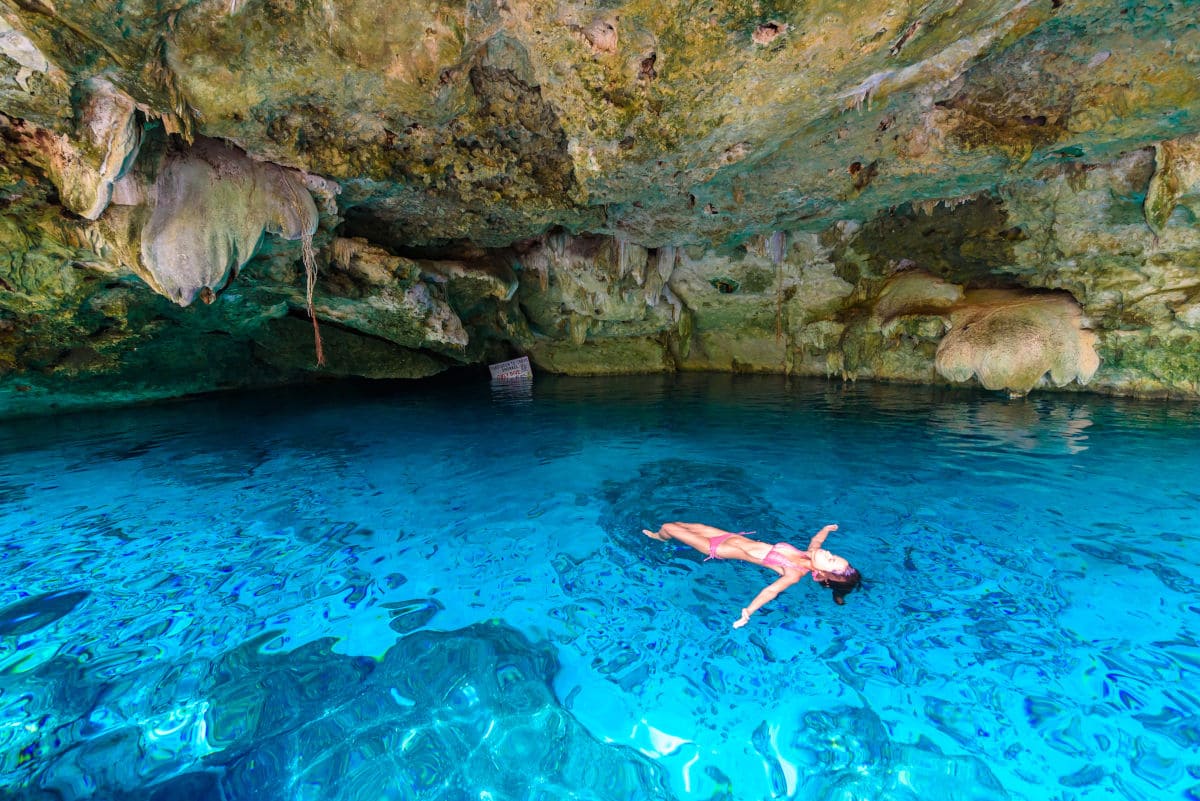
x=587 y=182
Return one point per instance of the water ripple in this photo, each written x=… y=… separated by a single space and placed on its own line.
x=255 y=609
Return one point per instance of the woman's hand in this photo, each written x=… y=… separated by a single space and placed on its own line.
x=743 y=620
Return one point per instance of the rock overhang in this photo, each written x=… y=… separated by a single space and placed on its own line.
x=873 y=138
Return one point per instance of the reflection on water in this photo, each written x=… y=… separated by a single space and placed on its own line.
x=1019 y=423
x=513 y=390
x=440 y=593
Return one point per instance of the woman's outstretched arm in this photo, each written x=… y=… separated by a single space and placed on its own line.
x=819 y=540
x=768 y=594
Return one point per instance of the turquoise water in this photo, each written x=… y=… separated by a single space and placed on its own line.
x=443 y=593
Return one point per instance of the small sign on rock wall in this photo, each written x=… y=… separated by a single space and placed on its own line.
x=513 y=370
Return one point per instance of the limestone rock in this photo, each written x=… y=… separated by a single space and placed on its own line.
x=802 y=190
x=85 y=163
x=1012 y=340
x=376 y=293
x=371 y=264
x=203 y=215
x=603 y=286
x=32 y=87
x=1176 y=176
x=914 y=293
x=17 y=47
x=472 y=286
x=286 y=344
x=752 y=311
x=474 y=708
x=109 y=137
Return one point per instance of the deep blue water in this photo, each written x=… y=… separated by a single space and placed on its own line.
x=443 y=593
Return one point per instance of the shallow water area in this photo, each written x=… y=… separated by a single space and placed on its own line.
x=443 y=592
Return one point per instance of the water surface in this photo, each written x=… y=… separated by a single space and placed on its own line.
x=442 y=593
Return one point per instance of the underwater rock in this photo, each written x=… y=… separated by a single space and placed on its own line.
x=31 y=614
x=900 y=771
x=439 y=716
x=682 y=486
x=1012 y=340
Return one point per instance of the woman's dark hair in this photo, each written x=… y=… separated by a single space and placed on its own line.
x=843 y=585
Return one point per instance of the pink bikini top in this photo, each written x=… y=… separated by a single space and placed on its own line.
x=776 y=557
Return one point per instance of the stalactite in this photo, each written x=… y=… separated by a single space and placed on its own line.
x=180 y=119
x=622 y=256
x=557 y=243
x=664 y=265
x=674 y=302
x=1014 y=341
x=1164 y=189
x=776 y=248
x=779 y=304
x=666 y=262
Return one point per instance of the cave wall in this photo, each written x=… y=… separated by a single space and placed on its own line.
x=235 y=193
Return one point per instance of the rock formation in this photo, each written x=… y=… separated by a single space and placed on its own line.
x=647 y=187
x=442 y=714
x=1014 y=341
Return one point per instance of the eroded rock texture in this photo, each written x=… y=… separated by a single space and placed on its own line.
x=1013 y=340
x=805 y=188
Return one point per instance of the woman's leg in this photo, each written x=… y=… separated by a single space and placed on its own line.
x=696 y=535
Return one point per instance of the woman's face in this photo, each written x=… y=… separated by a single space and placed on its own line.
x=828 y=565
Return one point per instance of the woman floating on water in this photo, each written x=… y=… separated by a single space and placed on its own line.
x=789 y=562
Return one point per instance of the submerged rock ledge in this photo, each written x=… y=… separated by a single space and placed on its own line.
x=1003 y=193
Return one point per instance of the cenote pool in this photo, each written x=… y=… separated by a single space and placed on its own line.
x=443 y=593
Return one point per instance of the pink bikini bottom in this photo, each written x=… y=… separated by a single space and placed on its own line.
x=716 y=541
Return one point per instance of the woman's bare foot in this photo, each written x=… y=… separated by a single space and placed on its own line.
x=655 y=535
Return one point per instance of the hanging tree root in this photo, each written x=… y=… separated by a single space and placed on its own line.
x=310 y=274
